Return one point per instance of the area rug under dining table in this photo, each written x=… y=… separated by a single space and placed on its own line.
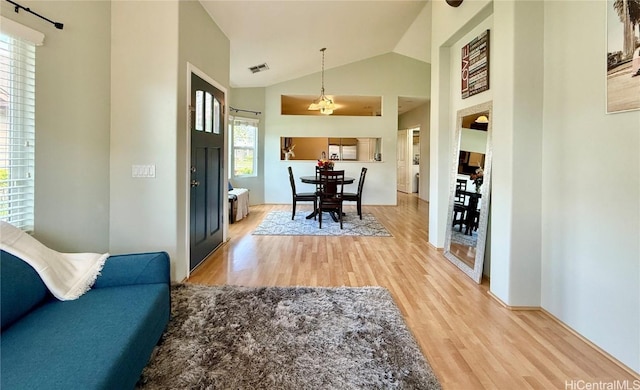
x=279 y=223
x=231 y=337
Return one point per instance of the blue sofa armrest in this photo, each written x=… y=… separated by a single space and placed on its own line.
x=138 y=268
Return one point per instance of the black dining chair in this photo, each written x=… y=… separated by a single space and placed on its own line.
x=318 y=170
x=331 y=192
x=459 y=206
x=357 y=197
x=300 y=196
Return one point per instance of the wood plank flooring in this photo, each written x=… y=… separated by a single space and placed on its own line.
x=470 y=340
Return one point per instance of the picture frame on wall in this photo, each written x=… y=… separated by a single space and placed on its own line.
x=474 y=74
x=623 y=56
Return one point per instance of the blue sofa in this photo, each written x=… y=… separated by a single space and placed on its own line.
x=102 y=340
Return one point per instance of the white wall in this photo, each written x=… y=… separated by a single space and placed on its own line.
x=390 y=75
x=565 y=186
x=516 y=180
x=144 y=77
x=590 y=188
x=72 y=123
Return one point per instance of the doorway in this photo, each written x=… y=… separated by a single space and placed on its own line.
x=408 y=160
x=207 y=156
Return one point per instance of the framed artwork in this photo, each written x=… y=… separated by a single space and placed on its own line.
x=623 y=55
x=475 y=66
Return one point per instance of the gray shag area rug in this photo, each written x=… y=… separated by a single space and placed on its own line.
x=279 y=223
x=286 y=338
x=463 y=239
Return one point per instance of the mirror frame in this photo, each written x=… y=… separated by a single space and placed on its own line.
x=474 y=273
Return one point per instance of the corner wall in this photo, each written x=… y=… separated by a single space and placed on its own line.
x=72 y=123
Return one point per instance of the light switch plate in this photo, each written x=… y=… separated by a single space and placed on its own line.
x=146 y=170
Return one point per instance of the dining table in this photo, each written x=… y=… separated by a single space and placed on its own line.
x=317 y=181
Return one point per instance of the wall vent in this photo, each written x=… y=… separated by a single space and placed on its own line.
x=259 y=68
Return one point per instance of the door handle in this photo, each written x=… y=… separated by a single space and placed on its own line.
x=195 y=183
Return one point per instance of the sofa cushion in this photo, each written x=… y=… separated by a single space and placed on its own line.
x=137 y=268
x=21 y=289
x=102 y=340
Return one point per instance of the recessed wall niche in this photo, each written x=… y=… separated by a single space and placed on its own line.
x=337 y=149
x=350 y=105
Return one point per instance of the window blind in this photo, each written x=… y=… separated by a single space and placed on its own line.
x=17 y=131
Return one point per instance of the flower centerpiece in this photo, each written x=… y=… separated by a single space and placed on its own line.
x=325 y=164
x=477 y=178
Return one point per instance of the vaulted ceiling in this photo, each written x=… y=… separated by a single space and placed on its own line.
x=288 y=35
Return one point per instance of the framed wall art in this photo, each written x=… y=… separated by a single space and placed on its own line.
x=475 y=66
x=623 y=55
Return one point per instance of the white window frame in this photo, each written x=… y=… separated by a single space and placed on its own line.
x=233 y=147
x=17 y=123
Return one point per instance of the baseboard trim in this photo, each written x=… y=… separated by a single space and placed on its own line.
x=592 y=345
x=570 y=330
x=440 y=250
x=513 y=308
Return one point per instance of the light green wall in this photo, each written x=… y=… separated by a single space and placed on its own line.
x=202 y=45
x=143 y=125
x=72 y=123
x=252 y=99
x=473 y=141
x=390 y=75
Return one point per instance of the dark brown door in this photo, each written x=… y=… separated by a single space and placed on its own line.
x=207 y=147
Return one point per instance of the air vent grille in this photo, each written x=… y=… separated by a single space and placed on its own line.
x=259 y=68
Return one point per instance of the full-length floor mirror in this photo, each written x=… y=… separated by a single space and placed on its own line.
x=469 y=194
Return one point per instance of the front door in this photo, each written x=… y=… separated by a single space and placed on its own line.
x=207 y=150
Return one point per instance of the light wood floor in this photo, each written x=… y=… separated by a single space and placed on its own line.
x=470 y=340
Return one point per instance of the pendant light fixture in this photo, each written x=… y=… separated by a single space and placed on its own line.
x=323 y=103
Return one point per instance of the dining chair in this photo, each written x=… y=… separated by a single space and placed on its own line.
x=318 y=170
x=331 y=194
x=459 y=207
x=300 y=196
x=357 y=197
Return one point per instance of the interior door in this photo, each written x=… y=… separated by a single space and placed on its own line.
x=207 y=156
x=402 y=164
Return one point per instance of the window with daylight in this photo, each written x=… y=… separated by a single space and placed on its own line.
x=17 y=130
x=244 y=146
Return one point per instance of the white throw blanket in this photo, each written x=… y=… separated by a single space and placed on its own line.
x=242 y=195
x=67 y=275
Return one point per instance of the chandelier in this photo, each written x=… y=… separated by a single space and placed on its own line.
x=323 y=103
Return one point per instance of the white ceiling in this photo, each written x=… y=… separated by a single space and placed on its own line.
x=288 y=35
